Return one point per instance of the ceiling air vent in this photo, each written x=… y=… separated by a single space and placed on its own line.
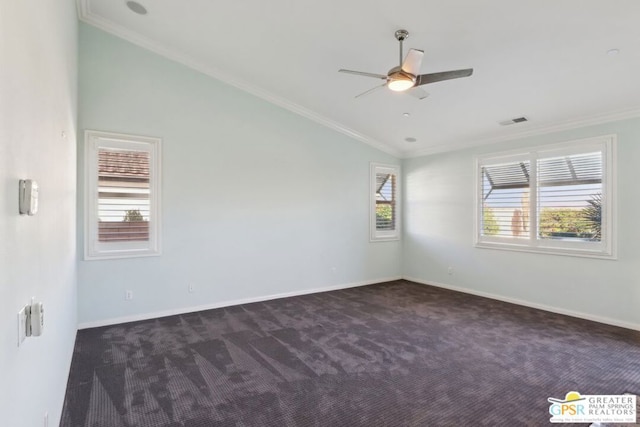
x=514 y=121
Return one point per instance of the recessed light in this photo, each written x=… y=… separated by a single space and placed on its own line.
x=613 y=52
x=406 y=115
x=137 y=7
x=410 y=139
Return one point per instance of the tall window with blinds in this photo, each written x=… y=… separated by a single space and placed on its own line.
x=554 y=199
x=385 y=207
x=122 y=183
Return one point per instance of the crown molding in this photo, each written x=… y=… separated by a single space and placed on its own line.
x=85 y=15
x=570 y=124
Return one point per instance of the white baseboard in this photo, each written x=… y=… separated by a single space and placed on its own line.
x=183 y=310
x=558 y=310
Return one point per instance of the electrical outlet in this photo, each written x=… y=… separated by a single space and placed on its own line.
x=334 y=270
x=191 y=288
x=450 y=270
x=128 y=295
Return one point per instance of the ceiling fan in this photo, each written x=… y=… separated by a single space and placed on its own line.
x=405 y=76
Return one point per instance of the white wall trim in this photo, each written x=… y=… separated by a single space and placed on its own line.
x=85 y=15
x=184 y=310
x=544 y=307
x=536 y=131
x=191 y=309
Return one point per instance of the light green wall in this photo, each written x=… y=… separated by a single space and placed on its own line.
x=256 y=200
x=439 y=221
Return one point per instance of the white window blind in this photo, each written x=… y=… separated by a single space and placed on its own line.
x=570 y=197
x=385 y=203
x=551 y=199
x=505 y=199
x=122 y=195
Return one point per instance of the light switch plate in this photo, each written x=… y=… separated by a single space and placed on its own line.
x=22 y=325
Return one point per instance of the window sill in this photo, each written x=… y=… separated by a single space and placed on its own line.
x=580 y=253
x=98 y=256
x=384 y=239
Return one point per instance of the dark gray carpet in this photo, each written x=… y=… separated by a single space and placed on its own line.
x=393 y=354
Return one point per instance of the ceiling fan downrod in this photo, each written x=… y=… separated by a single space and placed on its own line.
x=401 y=35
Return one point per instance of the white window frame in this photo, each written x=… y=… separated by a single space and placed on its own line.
x=384 y=235
x=606 y=248
x=93 y=248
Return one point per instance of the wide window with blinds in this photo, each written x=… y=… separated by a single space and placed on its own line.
x=385 y=206
x=554 y=199
x=122 y=195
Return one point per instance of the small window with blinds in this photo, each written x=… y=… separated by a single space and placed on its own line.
x=553 y=199
x=122 y=196
x=385 y=207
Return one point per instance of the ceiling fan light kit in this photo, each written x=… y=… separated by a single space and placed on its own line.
x=399 y=80
x=405 y=76
x=400 y=85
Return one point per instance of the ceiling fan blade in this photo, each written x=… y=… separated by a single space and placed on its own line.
x=424 y=79
x=418 y=92
x=371 y=90
x=362 y=73
x=413 y=61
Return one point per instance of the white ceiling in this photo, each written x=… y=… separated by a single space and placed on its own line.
x=543 y=59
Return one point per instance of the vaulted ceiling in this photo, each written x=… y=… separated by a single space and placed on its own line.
x=560 y=64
